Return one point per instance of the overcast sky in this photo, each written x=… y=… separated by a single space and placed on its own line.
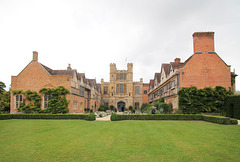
x=91 y=34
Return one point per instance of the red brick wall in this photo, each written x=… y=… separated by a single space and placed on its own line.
x=203 y=42
x=145 y=96
x=34 y=77
x=205 y=70
x=80 y=106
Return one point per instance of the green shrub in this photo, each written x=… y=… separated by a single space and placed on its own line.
x=91 y=117
x=130 y=108
x=160 y=117
x=232 y=106
x=144 y=107
x=208 y=118
x=102 y=108
x=167 y=108
x=111 y=107
x=114 y=117
x=217 y=119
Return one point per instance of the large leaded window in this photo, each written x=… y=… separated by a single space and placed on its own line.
x=18 y=100
x=105 y=90
x=75 y=104
x=81 y=91
x=121 y=88
x=145 y=92
x=136 y=105
x=121 y=76
x=173 y=84
x=137 y=90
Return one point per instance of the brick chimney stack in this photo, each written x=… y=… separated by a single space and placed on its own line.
x=35 y=56
x=69 y=67
x=177 y=60
x=203 y=42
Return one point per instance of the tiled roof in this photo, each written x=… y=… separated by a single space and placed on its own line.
x=176 y=65
x=58 y=72
x=63 y=72
x=157 y=77
x=49 y=70
x=80 y=76
x=166 y=68
x=151 y=83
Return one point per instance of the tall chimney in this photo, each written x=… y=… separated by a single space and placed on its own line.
x=69 y=67
x=203 y=42
x=35 y=56
x=177 y=60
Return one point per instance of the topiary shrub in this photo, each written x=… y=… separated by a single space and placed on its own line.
x=111 y=107
x=114 y=117
x=91 y=117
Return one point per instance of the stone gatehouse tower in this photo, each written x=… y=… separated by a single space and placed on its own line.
x=121 y=91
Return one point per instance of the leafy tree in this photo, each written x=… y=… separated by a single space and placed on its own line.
x=2 y=86
x=144 y=107
x=5 y=102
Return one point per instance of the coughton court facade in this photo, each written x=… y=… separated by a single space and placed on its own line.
x=202 y=69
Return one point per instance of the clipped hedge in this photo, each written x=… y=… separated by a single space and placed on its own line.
x=232 y=106
x=208 y=118
x=114 y=117
x=43 y=116
x=160 y=117
x=91 y=117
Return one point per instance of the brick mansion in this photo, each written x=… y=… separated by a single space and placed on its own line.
x=204 y=68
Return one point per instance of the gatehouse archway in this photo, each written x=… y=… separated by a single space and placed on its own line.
x=121 y=106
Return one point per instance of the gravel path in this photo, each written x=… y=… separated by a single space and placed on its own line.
x=106 y=118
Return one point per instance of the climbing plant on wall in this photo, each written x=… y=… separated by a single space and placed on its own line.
x=33 y=105
x=57 y=102
x=195 y=101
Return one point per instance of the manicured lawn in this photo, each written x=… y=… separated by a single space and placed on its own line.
x=77 y=140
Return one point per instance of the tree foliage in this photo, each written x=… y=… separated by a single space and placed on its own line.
x=195 y=101
x=4 y=99
x=2 y=86
x=161 y=106
x=5 y=102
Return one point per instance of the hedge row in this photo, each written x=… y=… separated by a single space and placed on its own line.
x=209 y=118
x=44 y=116
x=232 y=107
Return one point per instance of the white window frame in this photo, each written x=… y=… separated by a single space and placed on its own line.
x=75 y=104
x=18 y=100
x=45 y=101
x=173 y=84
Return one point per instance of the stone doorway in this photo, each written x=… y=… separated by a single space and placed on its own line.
x=121 y=106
